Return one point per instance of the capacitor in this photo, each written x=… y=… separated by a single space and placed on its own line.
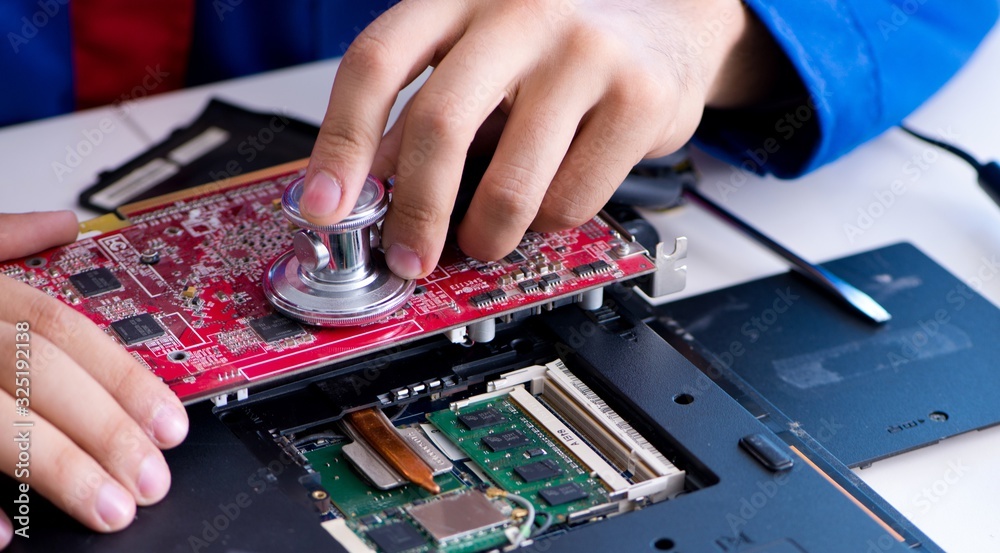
x=483 y=331
x=149 y=257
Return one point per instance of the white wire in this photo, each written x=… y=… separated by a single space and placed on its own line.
x=529 y=520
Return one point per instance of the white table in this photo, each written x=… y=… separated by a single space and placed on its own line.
x=951 y=490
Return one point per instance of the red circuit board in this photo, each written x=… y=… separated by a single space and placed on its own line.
x=198 y=318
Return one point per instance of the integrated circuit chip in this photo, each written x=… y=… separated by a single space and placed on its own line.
x=528 y=286
x=589 y=269
x=458 y=515
x=138 y=329
x=274 y=327
x=505 y=440
x=480 y=300
x=488 y=298
x=600 y=266
x=514 y=257
x=481 y=418
x=396 y=538
x=563 y=494
x=550 y=279
x=539 y=470
x=497 y=294
x=95 y=282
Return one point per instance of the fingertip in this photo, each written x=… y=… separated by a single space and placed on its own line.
x=154 y=479
x=169 y=425
x=65 y=223
x=487 y=242
x=28 y=233
x=404 y=262
x=115 y=507
x=321 y=198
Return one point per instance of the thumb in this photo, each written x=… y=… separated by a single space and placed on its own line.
x=23 y=234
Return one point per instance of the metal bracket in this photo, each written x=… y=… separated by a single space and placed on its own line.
x=670 y=275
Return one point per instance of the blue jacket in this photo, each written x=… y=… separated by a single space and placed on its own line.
x=864 y=64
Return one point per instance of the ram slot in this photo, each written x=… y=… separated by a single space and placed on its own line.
x=653 y=475
x=612 y=434
x=576 y=446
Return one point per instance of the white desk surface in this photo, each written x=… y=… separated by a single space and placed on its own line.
x=942 y=211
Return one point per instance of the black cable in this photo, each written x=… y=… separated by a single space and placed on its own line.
x=966 y=156
x=988 y=173
x=327 y=435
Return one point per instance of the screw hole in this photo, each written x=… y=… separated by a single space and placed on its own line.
x=938 y=416
x=663 y=544
x=419 y=290
x=35 y=262
x=684 y=399
x=178 y=356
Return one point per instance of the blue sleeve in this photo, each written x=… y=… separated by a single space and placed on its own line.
x=864 y=66
x=235 y=38
x=35 y=60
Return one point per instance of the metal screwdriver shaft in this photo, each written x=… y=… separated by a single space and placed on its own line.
x=857 y=300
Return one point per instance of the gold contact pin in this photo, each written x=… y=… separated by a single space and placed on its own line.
x=378 y=431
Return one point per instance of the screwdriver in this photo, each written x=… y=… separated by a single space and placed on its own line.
x=857 y=300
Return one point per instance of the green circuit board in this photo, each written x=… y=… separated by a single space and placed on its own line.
x=354 y=497
x=536 y=446
x=367 y=509
x=506 y=449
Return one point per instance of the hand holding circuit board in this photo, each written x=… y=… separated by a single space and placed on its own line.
x=581 y=95
x=176 y=294
x=90 y=420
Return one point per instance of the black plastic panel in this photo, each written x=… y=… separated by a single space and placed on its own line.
x=222 y=499
x=864 y=392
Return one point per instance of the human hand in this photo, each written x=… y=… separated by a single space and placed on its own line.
x=587 y=88
x=99 y=418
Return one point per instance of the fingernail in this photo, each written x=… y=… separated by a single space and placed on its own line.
x=403 y=261
x=169 y=425
x=114 y=506
x=154 y=478
x=320 y=196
